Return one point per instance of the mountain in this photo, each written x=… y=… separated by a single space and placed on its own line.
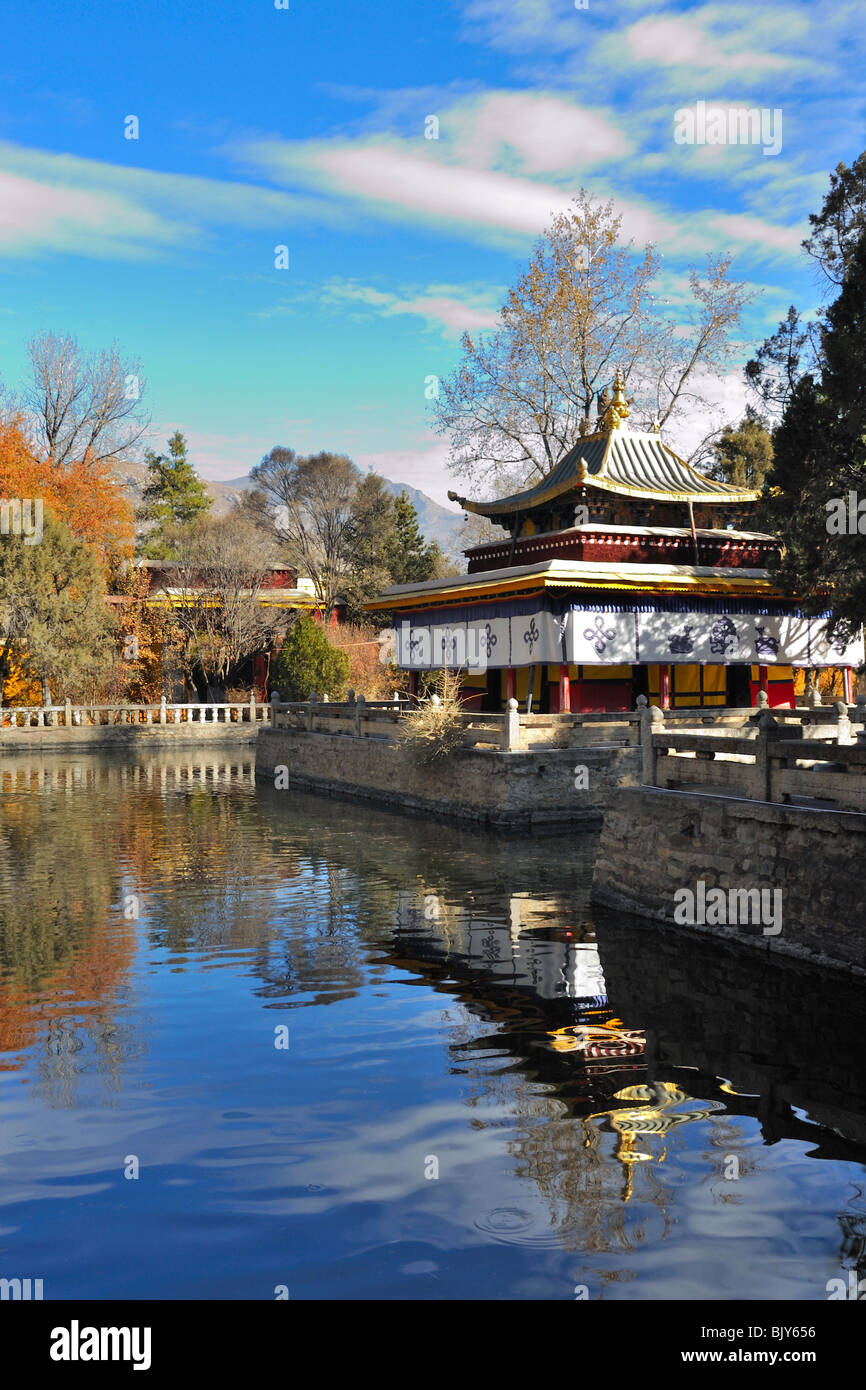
x=436 y=522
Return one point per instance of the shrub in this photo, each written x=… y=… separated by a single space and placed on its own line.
x=308 y=664
x=434 y=729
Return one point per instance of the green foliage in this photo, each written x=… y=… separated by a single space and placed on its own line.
x=174 y=496
x=308 y=664
x=411 y=559
x=53 y=614
x=820 y=449
x=385 y=546
x=743 y=455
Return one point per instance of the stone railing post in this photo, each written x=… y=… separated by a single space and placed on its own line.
x=67 y=713
x=843 y=723
x=652 y=721
x=813 y=699
x=511 y=732
x=275 y=705
x=634 y=728
x=252 y=709
x=162 y=714
x=763 y=701
x=311 y=710
x=768 y=733
x=359 y=710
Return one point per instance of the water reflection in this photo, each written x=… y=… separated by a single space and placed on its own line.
x=594 y=1081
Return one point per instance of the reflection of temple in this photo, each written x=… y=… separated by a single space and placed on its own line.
x=624 y=572
x=597 y=1032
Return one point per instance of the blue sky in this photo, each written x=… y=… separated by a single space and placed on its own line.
x=305 y=127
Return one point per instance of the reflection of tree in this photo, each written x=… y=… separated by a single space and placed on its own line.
x=57 y=893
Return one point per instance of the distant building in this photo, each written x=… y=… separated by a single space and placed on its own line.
x=282 y=589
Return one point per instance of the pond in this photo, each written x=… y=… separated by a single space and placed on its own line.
x=257 y=1044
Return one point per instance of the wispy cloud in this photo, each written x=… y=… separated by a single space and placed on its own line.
x=60 y=202
x=448 y=308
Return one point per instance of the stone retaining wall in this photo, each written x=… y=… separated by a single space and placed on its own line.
x=138 y=736
x=487 y=785
x=656 y=842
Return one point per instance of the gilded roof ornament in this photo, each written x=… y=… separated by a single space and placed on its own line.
x=617 y=412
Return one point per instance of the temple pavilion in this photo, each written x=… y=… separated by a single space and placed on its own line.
x=624 y=572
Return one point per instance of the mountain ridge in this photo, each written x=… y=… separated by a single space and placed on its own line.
x=436 y=522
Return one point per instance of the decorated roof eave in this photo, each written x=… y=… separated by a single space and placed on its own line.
x=493 y=585
x=511 y=507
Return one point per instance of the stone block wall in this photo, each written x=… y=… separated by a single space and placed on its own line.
x=655 y=842
x=497 y=788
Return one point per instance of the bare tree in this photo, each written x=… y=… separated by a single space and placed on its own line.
x=85 y=406
x=307 y=504
x=520 y=397
x=219 y=587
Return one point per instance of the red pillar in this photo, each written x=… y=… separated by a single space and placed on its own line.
x=565 y=691
x=847 y=675
x=763 y=679
x=510 y=683
x=413 y=684
x=665 y=687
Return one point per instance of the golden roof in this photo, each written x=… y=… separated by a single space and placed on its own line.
x=619 y=460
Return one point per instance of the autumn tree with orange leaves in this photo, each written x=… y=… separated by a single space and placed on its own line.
x=55 y=623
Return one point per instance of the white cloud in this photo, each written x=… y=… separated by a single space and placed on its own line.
x=454 y=309
x=36 y=217
x=63 y=203
x=742 y=228
x=693 y=42
x=537 y=132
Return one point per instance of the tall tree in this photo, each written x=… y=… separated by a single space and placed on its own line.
x=86 y=407
x=174 y=496
x=820 y=461
x=411 y=559
x=306 y=504
x=795 y=350
x=521 y=396
x=369 y=543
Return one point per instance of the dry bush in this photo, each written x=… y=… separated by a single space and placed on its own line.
x=434 y=729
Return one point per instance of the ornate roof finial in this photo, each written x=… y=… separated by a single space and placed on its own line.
x=618 y=411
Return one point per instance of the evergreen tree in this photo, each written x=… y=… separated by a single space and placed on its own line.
x=743 y=455
x=411 y=559
x=54 y=619
x=307 y=664
x=174 y=496
x=820 y=461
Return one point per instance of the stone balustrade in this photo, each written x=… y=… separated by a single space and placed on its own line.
x=72 y=716
x=767 y=759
